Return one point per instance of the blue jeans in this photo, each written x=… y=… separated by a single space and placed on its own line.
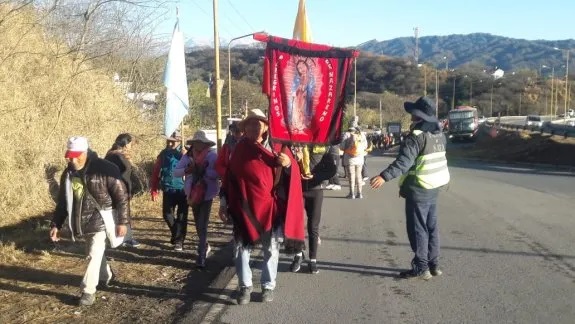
x=423 y=233
x=270 y=248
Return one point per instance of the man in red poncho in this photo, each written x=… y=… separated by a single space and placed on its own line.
x=259 y=184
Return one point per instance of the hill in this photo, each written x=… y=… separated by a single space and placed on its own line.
x=478 y=48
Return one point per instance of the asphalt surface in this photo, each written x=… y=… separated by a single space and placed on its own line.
x=507 y=236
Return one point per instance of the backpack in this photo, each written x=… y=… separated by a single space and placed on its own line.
x=353 y=145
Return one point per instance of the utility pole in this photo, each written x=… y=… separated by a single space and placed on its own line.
x=380 y=116
x=552 y=80
x=217 y=83
x=566 y=87
x=491 y=101
x=436 y=94
x=424 y=81
x=520 y=97
x=416 y=49
x=453 y=95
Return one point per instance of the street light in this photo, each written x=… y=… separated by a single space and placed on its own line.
x=230 y=68
x=566 y=82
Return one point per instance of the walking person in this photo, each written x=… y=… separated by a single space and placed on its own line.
x=354 y=152
x=422 y=165
x=265 y=203
x=201 y=186
x=223 y=162
x=174 y=201
x=90 y=187
x=119 y=154
x=334 y=182
x=323 y=167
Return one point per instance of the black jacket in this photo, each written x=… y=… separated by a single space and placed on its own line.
x=323 y=166
x=103 y=188
x=409 y=150
x=118 y=158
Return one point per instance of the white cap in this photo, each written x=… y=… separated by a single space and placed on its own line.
x=76 y=146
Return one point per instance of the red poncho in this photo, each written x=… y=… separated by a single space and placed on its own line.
x=253 y=202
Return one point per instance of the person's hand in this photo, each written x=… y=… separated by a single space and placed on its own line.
x=298 y=155
x=54 y=234
x=283 y=159
x=154 y=196
x=121 y=230
x=376 y=182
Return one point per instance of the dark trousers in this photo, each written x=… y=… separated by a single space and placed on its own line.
x=364 y=168
x=175 y=213
x=201 y=219
x=335 y=179
x=313 y=200
x=423 y=233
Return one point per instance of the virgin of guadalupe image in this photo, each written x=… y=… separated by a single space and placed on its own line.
x=300 y=101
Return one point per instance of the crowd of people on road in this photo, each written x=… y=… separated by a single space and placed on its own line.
x=265 y=193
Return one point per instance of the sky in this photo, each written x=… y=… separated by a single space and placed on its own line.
x=351 y=22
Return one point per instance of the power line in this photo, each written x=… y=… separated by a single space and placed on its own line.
x=241 y=16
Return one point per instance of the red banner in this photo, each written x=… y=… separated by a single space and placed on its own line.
x=305 y=84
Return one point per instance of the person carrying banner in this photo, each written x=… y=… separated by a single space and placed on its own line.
x=323 y=167
x=223 y=161
x=260 y=182
x=174 y=202
x=89 y=186
x=422 y=165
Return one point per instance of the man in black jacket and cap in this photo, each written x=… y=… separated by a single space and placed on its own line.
x=422 y=165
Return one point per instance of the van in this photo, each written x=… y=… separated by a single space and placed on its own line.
x=534 y=120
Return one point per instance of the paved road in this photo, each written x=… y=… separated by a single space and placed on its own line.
x=507 y=253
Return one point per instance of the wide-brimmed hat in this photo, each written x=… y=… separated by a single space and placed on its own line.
x=175 y=137
x=423 y=108
x=200 y=136
x=254 y=114
x=76 y=146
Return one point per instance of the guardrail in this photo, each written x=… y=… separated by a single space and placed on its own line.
x=547 y=128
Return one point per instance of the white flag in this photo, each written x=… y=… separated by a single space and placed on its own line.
x=176 y=82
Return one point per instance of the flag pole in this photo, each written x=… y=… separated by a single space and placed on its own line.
x=217 y=81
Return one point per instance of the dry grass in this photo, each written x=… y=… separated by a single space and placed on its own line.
x=45 y=97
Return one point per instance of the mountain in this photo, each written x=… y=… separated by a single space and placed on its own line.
x=482 y=49
x=199 y=44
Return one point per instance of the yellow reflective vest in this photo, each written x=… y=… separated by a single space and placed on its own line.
x=430 y=168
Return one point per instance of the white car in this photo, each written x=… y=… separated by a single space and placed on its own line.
x=482 y=120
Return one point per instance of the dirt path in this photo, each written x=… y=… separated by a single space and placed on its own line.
x=39 y=282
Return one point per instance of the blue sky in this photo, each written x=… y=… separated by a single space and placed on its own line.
x=348 y=23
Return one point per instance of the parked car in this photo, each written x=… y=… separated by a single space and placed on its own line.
x=571 y=113
x=534 y=120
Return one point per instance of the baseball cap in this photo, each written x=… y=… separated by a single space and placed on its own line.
x=76 y=146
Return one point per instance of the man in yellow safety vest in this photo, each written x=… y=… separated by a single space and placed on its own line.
x=422 y=165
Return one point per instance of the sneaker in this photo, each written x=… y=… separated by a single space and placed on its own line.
x=350 y=196
x=365 y=179
x=359 y=196
x=336 y=187
x=313 y=267
x=329 y=187
x=132 y=243
x=178 y=246
x=267 y=295
x=296 y=263
x=245 y=295
x=425 y=275
x=87 y=299
x=435 y=271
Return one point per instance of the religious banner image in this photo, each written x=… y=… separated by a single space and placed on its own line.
x=305 y=84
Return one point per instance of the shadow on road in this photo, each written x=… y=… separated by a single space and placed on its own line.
x=510 y=168
x=455 y=248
